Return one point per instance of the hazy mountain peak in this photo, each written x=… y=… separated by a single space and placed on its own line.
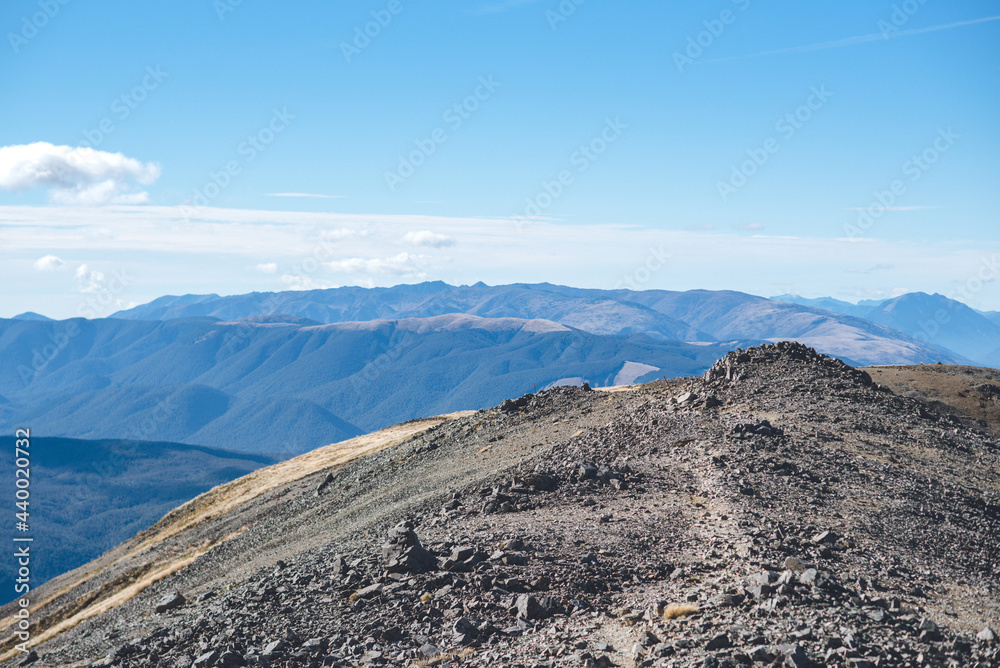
x=275 y=319
x=452 y=322
x=693 y=316
x=30 y=315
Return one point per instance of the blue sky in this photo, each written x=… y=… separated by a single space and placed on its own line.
x=740 y=140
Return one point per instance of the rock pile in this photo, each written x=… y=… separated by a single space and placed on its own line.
x=404 y=553
x=740 y=364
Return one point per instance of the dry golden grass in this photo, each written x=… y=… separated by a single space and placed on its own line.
x=446 y=657
x=949 y=384
x=108 y=597
x=215 y=503
x=225 y=498
x=680 y=610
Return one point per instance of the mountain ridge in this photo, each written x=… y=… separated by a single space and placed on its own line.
x=783 y=508
x=692 y=316
x=90 y=495
x=932 y=318
x=284 y=387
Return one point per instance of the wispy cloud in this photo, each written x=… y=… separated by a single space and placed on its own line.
x=859 y=39
x=312 y=195
x=292 y=282
x=871 y=270
x=894 y=208
x=403 y=264
x=428 y=238
x=267 y=267
x=856 y=294
x=341 y=233
x=215 y=252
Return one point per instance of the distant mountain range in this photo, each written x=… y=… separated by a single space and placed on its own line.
x=286 y=387
x=282 y=373
x=88 y=496
x=31 y=315
x=123 y=406
x=932 y=318
x=693 y=316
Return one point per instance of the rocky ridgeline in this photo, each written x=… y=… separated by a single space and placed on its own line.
x=471 y=604
x=782 y=511
x=773 y=359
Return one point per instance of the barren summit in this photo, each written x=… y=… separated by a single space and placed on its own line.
x=784 y=509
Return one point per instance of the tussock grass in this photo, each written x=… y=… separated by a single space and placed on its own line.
x=111 y=595
x=680 y=610
x=445 y=657
x=143 y=566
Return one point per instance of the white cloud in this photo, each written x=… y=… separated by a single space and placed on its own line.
x=267 y=267
x=75 y=175
x=88 y=281
x=873 y=269
x=494 y=250
x=292 y=282
x=428 y=238
x=50 y=263
x=751 y=227
x=341 y=233
x=856 y=294
x=99 y=232
x=893 y=208
x=399 y=265
x=859 y=39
